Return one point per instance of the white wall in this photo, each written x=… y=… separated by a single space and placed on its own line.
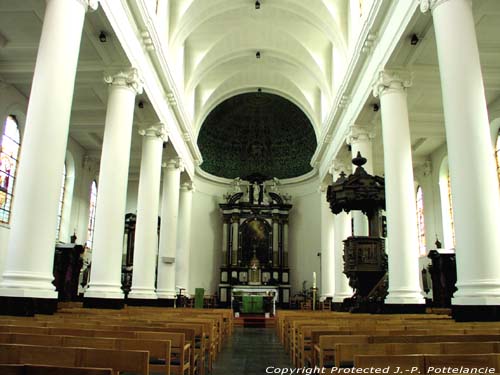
x=305 y=234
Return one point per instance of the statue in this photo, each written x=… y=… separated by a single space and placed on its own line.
x=236 y=185
x=274 y=185
x=256 y=193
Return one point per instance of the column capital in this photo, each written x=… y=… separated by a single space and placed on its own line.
x=91 y=163
x=359 y=133
x=127 y=78
x=337 y=167
x=89 y=5
x=188 y=186
x=423 y=170
x=156 y=130
x=391 y=80
x=174 y=163
x=426 y=5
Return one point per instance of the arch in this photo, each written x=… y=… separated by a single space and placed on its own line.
x=9 y=155
x=420 y=221
x=497 y=152
x=92 y=210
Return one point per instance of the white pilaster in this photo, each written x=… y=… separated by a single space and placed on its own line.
x=360 y=139
x=235 y=225
x=402 y=245
x=276 y=226
x=224 y=242
x=474 y=183
x=327 y=248
x=184 y=237
x=285 y=242
x=30 y=254
x=146 y=232
x=341 y=230
x=168 y=231
x=105 y=278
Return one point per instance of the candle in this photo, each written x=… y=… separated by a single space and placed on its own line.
x=314 y=279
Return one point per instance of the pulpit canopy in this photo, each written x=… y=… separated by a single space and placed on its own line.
x=359 y=191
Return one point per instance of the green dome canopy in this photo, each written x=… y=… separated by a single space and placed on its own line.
x=257 y=133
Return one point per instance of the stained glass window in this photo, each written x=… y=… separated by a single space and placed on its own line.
x=11 y=140
x=451 y=210
x=91 y=225
x=420 y=221
x=61 y=203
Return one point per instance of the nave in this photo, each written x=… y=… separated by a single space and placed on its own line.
x=250 y=351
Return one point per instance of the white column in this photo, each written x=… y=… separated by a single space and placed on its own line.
x=360 y=139
x=474 y=183
x=146 y=230
x=402 y=240
x=105 y=276
x=168 y=230
x=30 y=254
x=341 y=230
x=234 y=238
x=184 y=238
x=327 y=249
x=276 y=234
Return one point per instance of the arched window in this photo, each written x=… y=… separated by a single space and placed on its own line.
x=420 y=221
x=11 y=141
x=497 y=153
x=450 y=201
x=61 y=203
x=91 y=225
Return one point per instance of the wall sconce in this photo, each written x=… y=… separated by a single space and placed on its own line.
x=257 y=5
x=376 y=107
x=414 y=40
x=257 y=55
x=102 y=37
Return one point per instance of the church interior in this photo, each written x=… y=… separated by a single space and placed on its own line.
x=249 y=186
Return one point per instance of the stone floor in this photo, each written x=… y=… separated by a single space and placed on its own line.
x=249 y=351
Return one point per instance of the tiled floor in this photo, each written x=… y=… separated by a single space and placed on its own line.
x=249 y=351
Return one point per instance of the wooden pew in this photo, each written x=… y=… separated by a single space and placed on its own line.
x=397 y=364
x=126 y=361
x=435 y=363
x=51 y=370
x=180 y=349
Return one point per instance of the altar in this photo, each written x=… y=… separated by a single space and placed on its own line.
x=253 y=298
x=255 y=245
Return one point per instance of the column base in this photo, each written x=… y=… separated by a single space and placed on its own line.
x=142 y=295
x=146 y=302
x=27 y=306
x=103 y=303
x=470 y=313
x=165 y=302
x=399 y=308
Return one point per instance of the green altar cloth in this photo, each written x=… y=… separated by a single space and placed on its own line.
x=253 y=304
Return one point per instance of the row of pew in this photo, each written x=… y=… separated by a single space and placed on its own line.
x=420 y=343
x=136 y=340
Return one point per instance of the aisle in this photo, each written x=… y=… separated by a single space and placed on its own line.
x=249 y=351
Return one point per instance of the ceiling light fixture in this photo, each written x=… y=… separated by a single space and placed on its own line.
x=257 y=55
x=102 y=37
x=414 y=40
x=257 y=5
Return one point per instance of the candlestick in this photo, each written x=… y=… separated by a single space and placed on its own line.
x=314 y=279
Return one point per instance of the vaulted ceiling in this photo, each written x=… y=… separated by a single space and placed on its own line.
x=213 y=46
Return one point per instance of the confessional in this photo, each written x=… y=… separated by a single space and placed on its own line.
x=67 y=265
x=365 y=260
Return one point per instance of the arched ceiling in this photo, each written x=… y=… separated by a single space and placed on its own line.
x=213 y=45
x=257 y=133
